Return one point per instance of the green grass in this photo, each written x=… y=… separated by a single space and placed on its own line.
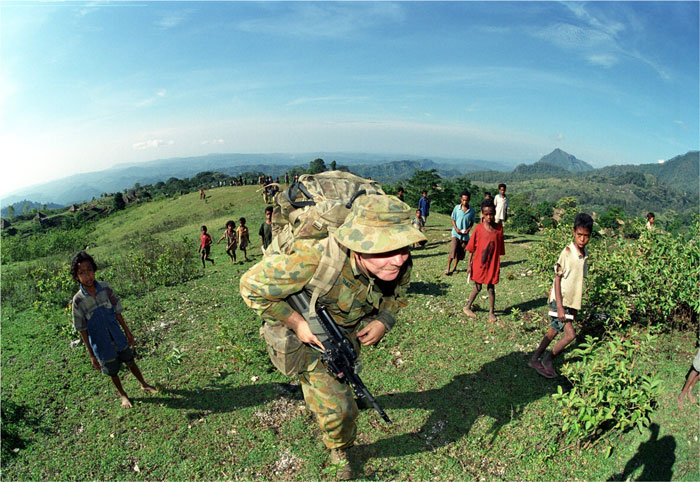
x=463 y=401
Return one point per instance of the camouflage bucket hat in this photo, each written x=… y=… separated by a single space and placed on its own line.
x=378 y=224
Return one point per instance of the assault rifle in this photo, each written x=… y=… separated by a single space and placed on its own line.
x=339 y=355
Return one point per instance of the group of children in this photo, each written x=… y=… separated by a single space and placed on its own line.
x=485 y=245
x=97 y=311
x=236 y=237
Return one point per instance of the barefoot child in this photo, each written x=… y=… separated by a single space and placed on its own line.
x=485 y=250
x=243 y=239
x=205 y=246
x=231 y=240
x=419 y=223
x=97 y=317
x=565 y=296
x=690 y=381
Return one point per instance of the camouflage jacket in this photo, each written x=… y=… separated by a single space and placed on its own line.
x=353 y=297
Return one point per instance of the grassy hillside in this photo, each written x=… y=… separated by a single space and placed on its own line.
x=463 y=401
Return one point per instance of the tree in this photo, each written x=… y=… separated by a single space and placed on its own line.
x=10 y=211
x=333 y=166
x=118 y=202
x=317 y=165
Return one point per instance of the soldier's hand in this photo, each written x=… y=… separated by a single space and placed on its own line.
x=372 y=333
x=300 y=326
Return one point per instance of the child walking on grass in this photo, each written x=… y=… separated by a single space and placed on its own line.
x=690 y=381
x=205 y=246
x=97 y=318
x=485 y=248
x=231 y=240
x=243 y=238
x=565 y=296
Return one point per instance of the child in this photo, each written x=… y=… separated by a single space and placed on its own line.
x=650 y=221
x=243 y=239
x=419 y=223
x=690 y=381
x=565 y=297
x=462 y=221
x=205 y=246
x=231 y=240
x=97 y=317
x=265 y=231
x=501 y=203
x=486 y=242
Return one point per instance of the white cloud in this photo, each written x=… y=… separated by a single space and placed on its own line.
x=604 y=60
x=150 y=100
x=325 y=20
x=151 y=144
x=212 y=142
x=171 y=20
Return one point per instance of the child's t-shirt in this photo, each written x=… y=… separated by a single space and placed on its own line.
x=573 y=267
x=501 y=203
x=98 y=315
x=231 y=237
x=488 y=247
x=418 y=223
x=206 y=240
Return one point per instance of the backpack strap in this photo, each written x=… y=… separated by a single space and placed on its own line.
x=328 y=270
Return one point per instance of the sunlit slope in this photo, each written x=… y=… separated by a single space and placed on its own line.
x=173 y=218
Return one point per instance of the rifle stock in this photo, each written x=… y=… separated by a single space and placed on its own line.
x=339 y=356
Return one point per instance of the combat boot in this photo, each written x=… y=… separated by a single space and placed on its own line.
x=340 y=459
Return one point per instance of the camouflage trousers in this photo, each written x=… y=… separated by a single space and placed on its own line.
x=333 y=403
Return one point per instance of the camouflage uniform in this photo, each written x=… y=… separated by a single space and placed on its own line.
x=376 y=224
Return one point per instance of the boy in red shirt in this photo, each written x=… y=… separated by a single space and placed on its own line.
x=205 y=246
x=485 y=250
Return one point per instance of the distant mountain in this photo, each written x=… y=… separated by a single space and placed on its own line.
x=557 y=160
x=681 y=172
x=26 y=205
x=83 y=187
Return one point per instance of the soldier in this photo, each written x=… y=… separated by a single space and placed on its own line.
x=369 y=291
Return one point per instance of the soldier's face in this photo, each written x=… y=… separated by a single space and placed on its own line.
x=385 y=266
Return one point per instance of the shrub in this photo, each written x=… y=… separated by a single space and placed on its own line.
x=648 y=280
x=149 y=263
x=41 y=244
x=609 y=394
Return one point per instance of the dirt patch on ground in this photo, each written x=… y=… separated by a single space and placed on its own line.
x=279 y=411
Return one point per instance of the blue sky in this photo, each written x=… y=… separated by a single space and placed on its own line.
x=85 y=86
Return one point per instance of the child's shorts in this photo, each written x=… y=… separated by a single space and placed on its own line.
x=556 y=323
x=696 y=362
x=111 y=367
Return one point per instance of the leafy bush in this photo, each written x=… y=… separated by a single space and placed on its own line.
x=523 y=219
x=149 y=263
x=41 y=244
x=609 y=394
x=648 y=280
x=609 y=219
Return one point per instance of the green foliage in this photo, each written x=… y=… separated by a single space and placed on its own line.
x=44 y=243
x=609 y=219
x=316 y=166
x=647 y=280
x=149 y=262
x=544 y=209
x=118 y=202
x=567 y=202
x=523 y=219
x=609 y=393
